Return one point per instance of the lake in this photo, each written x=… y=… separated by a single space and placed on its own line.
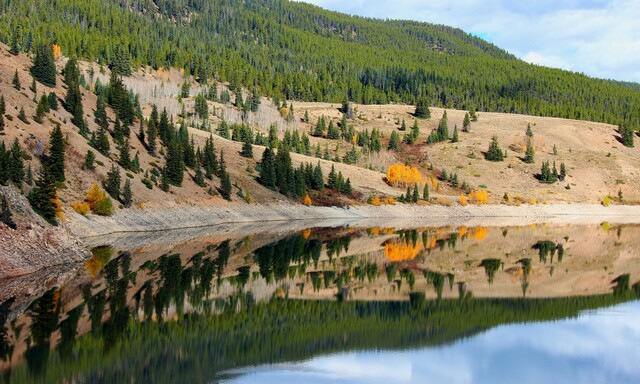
x=287 y=303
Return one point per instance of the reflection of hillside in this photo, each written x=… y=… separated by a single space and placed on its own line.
x=234 y=276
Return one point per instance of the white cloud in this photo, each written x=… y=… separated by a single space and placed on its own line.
x=598 y=37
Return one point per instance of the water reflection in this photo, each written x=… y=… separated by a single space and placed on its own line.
x=597 y=347
x=188 y=312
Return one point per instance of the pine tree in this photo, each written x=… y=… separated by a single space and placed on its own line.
x=529 y=155
x=52 y=98
x=422 y=108
x=89 y=161
x=494 y=153
x=43 y=198
x=416 y=195
x=306 y=117
x=100 y=141
x=320 y=127
x=415 y=131
x=627 y=135
x=127 y=194
x=141 y=136
x=112 y=184
x=16 y=163
x=152 y=135
x=164 y=179
x=403 y=126
x=3 y=105
x=22 y=116
x=394 y=141
x=5 y=214
x=56 y=154
x=125 y=155
x=455 y=138
x=29 y=177
x=44 y=67
x=16 y=81
x=317 y=181
x=547 y=176
x=267 y=169
x=225 y=186
x=351 y=157
x=198 y=178
x=425 y=192
x=529 y=132
x=175 y=164
x=333 y=178
x=466 y=123
x=247 y=149
x=563 y=172
x=73 y=99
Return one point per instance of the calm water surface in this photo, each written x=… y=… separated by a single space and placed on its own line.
x=598 y=347
x=334 y=304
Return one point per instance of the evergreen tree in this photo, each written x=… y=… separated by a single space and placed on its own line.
x=403 y=127
x=73 y=100
x=16 y=81
x=201 y=107
x=127 y=194
x=29 y=177
x=125 y=155
x=529 y=155
x=529 y=132
x=425 y=192
x=351 y=157
x=16 y=163
x=44 y=67
x=174 y=164
x=415 y=131
x=89 y=161
x=198 y=178
x=267 y=169
x=52 y=98
x=247 y=149
x=466 y=123
x=627 y=135
x=112 y=184
x=152 y=135
x=422 y=108
x=5 y=214
x=225 y=186
x=455 y=138
x=320 y=127
x=120 y=99
x=3 y=105
x=416 y=195
x=546 y=175
x=56 y=155
x=223 y=129
x=141 y=135
x=563 y=172
x=394 y=141
x=317 y=181
x=306 y=117
x=100 y=141
x=494 y=153
x=22 y=116
x=43 y=198
x=164 y=179
x=333 y=131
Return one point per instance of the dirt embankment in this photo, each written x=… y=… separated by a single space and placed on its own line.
x=181 y=217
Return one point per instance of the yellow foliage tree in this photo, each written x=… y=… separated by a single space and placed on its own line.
x=57 y=51
x=307 y=200
x=399 y=175
x=58 y=206
x=479 y=197
x=95 y=194
x=464 y=200
x=81 y=207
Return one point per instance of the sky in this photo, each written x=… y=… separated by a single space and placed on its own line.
x=600 y=38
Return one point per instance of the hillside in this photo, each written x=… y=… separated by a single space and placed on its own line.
x=597 y=164
x=299 y=52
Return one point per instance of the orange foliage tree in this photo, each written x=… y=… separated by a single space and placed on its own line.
x=479 y=197
x=399 y=175
x=401 y=251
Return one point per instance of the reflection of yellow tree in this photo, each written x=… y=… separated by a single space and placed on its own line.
x=400 y=251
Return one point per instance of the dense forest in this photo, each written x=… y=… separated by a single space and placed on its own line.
x=300 y=52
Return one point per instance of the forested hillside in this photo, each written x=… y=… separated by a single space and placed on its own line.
x=299 y=52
